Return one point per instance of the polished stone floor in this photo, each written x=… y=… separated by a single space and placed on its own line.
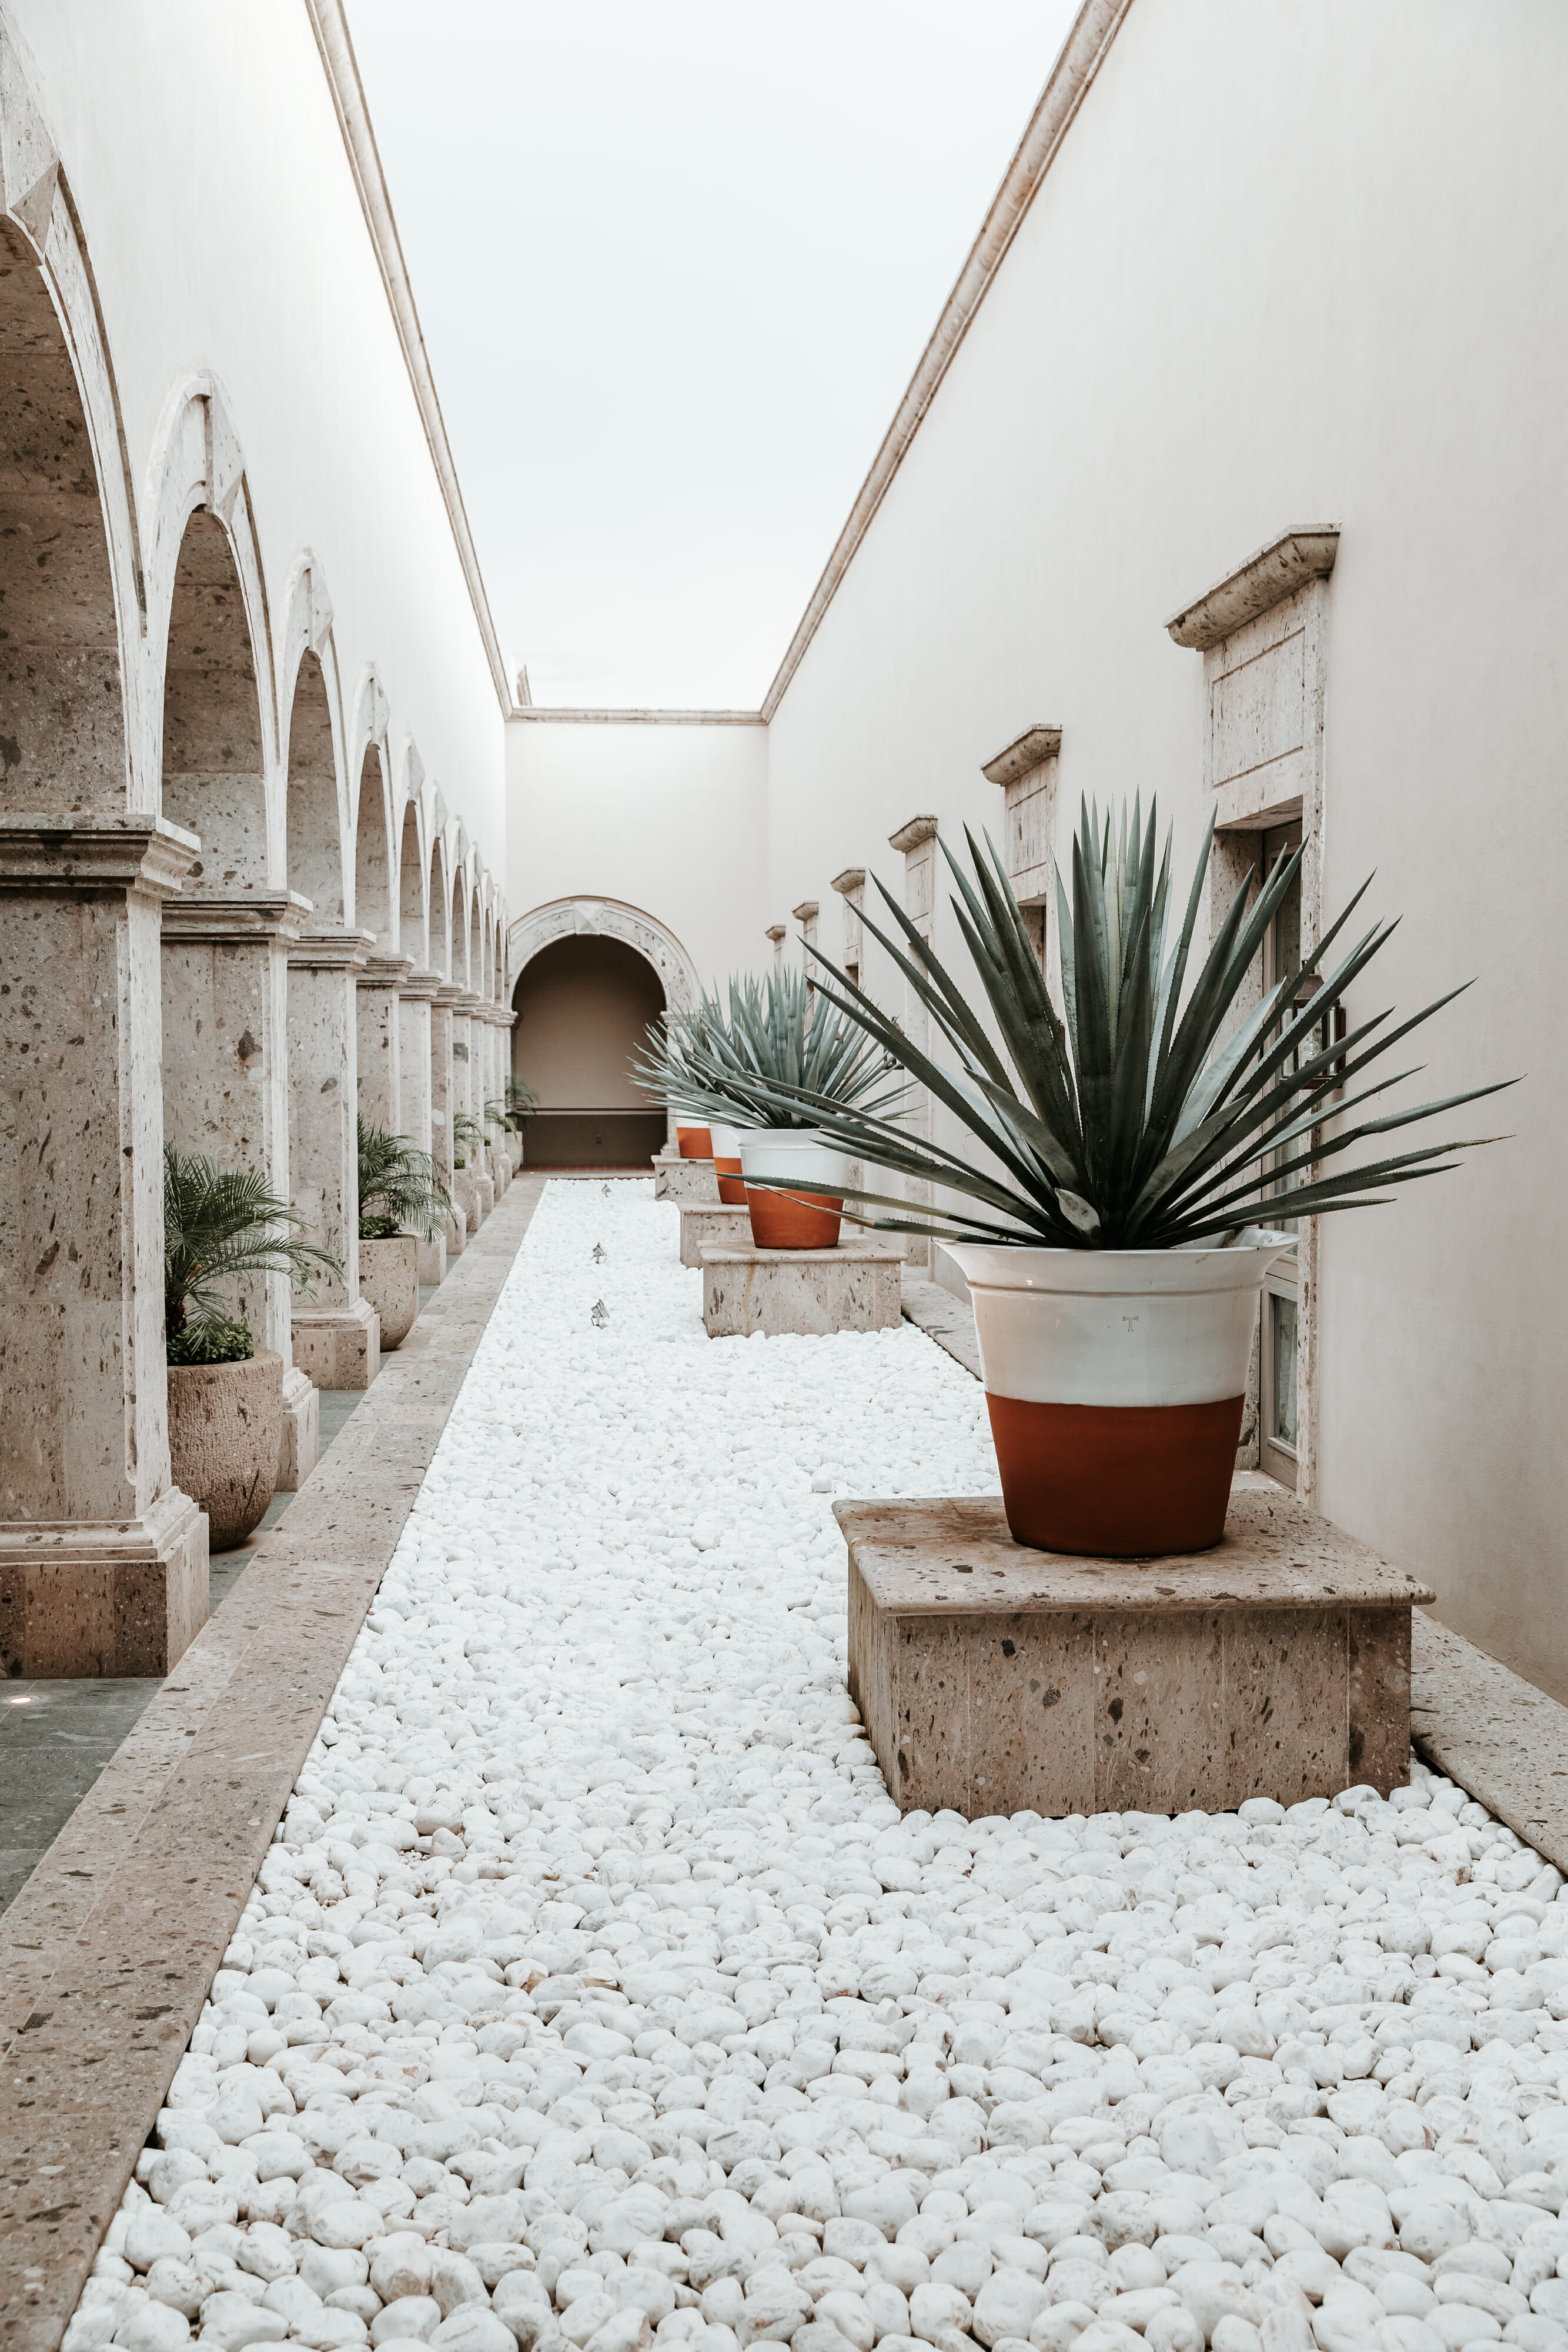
x=56 y=1737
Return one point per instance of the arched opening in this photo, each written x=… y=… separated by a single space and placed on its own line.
x=440 y=927
x=214 y=763
x=315 y=845
x=583 y=1005
x=411 y=893
x=457 y=934
x=373 y=857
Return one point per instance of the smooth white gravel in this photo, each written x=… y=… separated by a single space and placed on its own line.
x=594 y=1985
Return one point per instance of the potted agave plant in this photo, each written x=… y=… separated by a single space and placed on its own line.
x=402 y=1199
x=664 y=1073
x=754 y=1069
x=1115 y=1226
x=226 y=1395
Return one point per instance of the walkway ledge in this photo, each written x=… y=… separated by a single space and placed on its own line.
x=110 y=1950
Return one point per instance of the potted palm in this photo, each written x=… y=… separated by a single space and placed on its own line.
x=754 y=1068
x=507 y=1113
x=402 y=1200
x=467 y=1140
x=226 y=1395
x=1114 y=1227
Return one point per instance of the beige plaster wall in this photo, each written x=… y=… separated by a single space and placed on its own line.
x=1290 y=267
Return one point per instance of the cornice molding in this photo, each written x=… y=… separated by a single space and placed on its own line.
x=1083 y=52
x=330 y=27
x=1023 y=755
x=1265 y=580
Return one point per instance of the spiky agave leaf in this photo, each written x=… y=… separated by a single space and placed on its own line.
x=219 y=1223
x=729 y=1063
x=1138 y=1122
x=398 y=1181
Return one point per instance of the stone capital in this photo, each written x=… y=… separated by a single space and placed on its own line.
x=421 y=987
x=919 y=830
x=201 y=915
x=450 y=999
x=339 y=949
x=84 y=851
x=386 y=971
x=851 y=878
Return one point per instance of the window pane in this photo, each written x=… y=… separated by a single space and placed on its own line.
x=1282 y=1361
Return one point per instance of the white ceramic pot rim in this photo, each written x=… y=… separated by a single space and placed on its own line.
x=1238 y=1266
x=791 y=1155
x=725 y=1140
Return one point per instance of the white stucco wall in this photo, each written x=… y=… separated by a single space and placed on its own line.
x=1292 y=266
x=225 y=238
x=669 y=820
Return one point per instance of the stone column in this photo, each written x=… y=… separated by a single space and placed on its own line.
x=917 y=843
x=380 y=1041
x=414 y=999
x=337 y=1337
x=225 y=1090
x=501 y=1148
x=478 y=1043
x=442 y=1105
x=103 y=1562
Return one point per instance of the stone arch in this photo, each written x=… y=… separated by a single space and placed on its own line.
x=439 y=901
x=604 y=918
x=412 y=911
x=457 y=927
x=375 y=859
x=205 y=581
x=311 y=750
x=584 y=998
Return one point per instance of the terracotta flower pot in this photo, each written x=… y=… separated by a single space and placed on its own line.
x=1115 y=1382
x=226 y=1424
x=727 y=1165
x=694 y=1142
x=806 y=1216
x=388 y=1281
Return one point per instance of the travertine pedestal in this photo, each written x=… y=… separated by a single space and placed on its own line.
x=675 y=1179
x=992 y=1679
x=727 y=1227
x=853 y=1287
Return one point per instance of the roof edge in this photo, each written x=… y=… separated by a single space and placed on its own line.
x=1094 y=28
x=331 y=27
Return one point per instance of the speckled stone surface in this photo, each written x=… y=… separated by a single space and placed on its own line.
x=949 y=1321
x=675 y=1179
x=992 y=1678
x=389 y=1282
x=703 y=1222
x=225 y=1425
x=109 y=1950
x=1495 y=1734
x=852 y=1287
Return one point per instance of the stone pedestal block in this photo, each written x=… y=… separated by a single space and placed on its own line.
x=675 y=1179
x=486 y=1190
x=432 y=1261
x=993 y=1679
x=301 y=1447
x=852 y=1288
x=78 y=1599
x=727 y=1228
x=338 y=1346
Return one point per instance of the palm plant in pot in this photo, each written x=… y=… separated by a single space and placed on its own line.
x=510 y=1111
x=225 y=1396
x=402 y=1199
x=756 y=1069
x=468 y=1145
x=1114 y=1227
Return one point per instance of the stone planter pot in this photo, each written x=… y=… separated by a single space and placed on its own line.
x=388 y=1281
x=515 y=1150
x=726 y=1164
x=806 y=1216
x=465 y=1190
x=694 y=1142
x=225 y=1425
x=1115 y=1382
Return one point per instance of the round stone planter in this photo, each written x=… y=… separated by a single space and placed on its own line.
x=806 y=1216
x=726 y=1164
x=1115 y=1382
x=694 y=1142
x=226 y=1423
x=388 y=1281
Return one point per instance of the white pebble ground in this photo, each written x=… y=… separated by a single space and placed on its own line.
x=594 y=1985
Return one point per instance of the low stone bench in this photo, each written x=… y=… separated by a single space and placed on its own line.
x=727 y=1227
x=853 y=1287
x=994 y=1679
x=675 y=1179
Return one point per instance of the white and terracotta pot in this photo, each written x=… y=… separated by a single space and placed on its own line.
x=806 y=1214
x=693 y=1142
x=225 y=1425
x=726 y=1164
x=388 y=1281
x=1115 y=1382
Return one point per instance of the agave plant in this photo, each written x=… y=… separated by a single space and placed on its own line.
x=219 y=1223
x=777 y=1041
x=1138 y=1122
x=399 y=1187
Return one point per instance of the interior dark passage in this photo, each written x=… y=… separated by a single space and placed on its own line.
x=583 y=1005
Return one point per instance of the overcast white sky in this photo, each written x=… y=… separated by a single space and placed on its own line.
x=676 y=261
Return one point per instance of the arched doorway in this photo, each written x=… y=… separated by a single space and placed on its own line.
x=583 y=1006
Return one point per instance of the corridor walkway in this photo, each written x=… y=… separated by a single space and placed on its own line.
x=595 y=1985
